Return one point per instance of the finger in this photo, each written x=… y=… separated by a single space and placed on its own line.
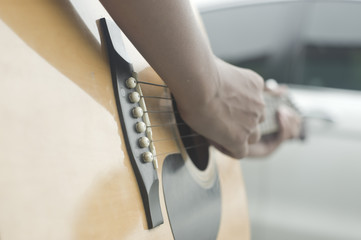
x=242 y=151
x=279 y=92
x=262 y=117
x=255 y=136
x=270 y=146
x=283 y=126
x=220 y=148
x=274 y=89
x=264 y=148
x=238 y=153
x=270 y=85
x=296 y=123
x=289 y=127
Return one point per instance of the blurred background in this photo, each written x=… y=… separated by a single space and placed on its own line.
x=305 y=190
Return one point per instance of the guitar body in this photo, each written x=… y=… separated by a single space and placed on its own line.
x=65 y=172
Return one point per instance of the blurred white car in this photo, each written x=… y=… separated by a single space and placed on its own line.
x=306 y=190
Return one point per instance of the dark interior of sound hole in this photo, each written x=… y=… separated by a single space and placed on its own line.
x=195 y=145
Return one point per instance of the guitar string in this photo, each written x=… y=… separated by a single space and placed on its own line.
x=176 y=138
x=168 y=111
x=166 y=125
x=152 y=111
x=157 y=97
x=186 y=148
x=169 y=124
x=165 y=153
x=156 y=85
x=153 y=84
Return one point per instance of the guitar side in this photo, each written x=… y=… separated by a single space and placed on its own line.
x=64 y=168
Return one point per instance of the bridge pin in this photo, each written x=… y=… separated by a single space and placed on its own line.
x=134 y=97
x=144 y=142
x=147 y=157
x=137 y=112
x=140 y=127
x=131 y=82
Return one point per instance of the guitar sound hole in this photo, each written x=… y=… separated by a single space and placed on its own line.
x=195 y=145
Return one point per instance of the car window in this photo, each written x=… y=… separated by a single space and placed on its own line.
x=331 y=46
x=308 y=43
x=238 y=36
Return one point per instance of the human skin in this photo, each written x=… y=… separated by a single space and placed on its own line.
x=289 y=128
x=220 y=101
x=289 y=122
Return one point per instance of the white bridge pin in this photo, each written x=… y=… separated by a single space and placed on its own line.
x=134 y=97
x=137 y=112
x=140 y=127
x=131 y=82
x=147 y=157
x=144 y=142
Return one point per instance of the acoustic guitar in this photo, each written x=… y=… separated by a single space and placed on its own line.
x=91 y=144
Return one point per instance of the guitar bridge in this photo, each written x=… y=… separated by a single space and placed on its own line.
x=134 y=121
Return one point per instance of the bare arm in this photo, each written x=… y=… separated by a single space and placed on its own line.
x=167 y=35
x=210 y=93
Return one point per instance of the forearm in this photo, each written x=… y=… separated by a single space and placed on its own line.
x=168 y=36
